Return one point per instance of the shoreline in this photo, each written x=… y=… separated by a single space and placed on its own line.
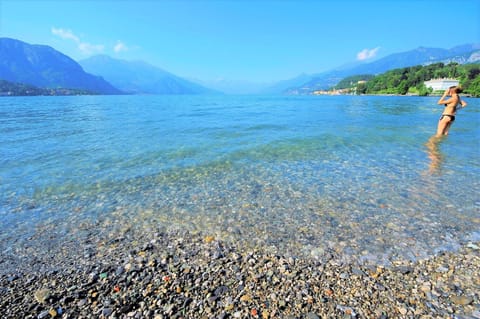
x=175 y=274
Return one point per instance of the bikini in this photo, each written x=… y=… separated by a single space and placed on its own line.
x=452 y=117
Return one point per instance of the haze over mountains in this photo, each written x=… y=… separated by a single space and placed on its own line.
x=43 y=66
x=138 y=77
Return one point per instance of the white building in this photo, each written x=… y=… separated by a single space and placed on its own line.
x=441 y=84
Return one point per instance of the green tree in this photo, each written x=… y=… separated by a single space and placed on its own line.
x=423 y=90
x=361 y=88
x=474 y=88
x=402 y=88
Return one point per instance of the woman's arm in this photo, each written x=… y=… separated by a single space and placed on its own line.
x=443 y=99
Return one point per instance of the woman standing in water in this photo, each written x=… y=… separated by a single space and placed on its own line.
x=451 y=100
x=451 y=104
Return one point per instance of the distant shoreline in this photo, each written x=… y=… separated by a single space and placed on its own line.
x=387 y=95
x=5 y=94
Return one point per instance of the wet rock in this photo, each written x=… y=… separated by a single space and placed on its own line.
x=461 y=300
x=106 y=312
x=311 y=315
x=42 y=295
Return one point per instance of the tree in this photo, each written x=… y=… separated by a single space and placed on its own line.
x=361 y=88
x=474 y=88
x=402 y=88
x=423 y=90
x=411 y=79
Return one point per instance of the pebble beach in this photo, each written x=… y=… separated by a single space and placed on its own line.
x=177 y=274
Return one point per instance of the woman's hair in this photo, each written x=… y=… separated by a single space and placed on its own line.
x=457 y=89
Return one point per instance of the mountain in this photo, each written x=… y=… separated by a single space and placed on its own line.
x=468 y=53
x=230 y=86
x=282 y=86
x=43 y=66
x=138 y=77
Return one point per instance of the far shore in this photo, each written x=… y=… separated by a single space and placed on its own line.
x=391 y=94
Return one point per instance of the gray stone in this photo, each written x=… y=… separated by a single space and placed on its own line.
x=312 y=315
x=107 y=312
x=43 y=314
x=42 y=295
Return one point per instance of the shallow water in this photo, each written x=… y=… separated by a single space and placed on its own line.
x=300 y=176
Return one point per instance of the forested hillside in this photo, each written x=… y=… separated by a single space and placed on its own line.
x=21 y=89
x=411 y=79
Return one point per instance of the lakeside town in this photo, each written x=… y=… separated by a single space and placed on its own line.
x=436 y=85
x=419 y=80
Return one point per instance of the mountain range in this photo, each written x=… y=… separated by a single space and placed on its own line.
x=469 y=53
x=44 y=67
x=138 y=77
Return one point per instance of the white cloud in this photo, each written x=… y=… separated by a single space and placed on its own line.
x=65 y=34
x=367 y=54
x=88 y=48
x=120 y=46
x=84 y=47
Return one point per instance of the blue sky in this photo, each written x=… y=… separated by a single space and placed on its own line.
x=259 y=41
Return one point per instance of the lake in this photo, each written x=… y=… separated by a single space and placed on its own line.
x=295 y=175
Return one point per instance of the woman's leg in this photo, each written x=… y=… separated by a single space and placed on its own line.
x=443 y=125
x=445 y=132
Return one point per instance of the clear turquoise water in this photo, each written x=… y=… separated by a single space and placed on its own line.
x=295 y=175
